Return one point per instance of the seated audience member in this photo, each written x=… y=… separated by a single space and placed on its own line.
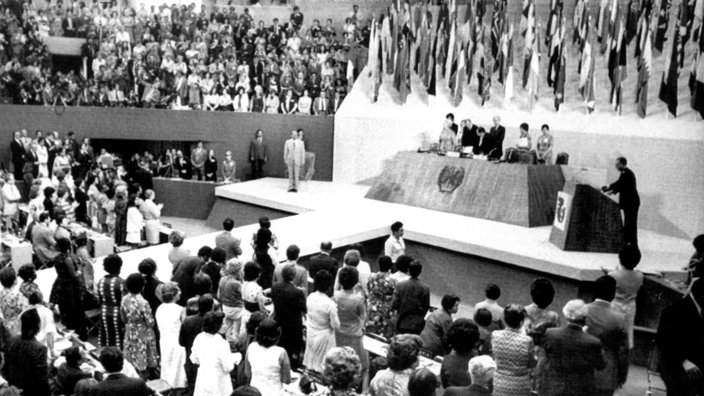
x=69 y=372
x=116 y=383
x=492 y=293
x=422 y=383
x=190 y=328
x=513 y=353
x=402 y=263
x=628 y=283
x=323 y=261
x=225 y=240
x=411 y=301
x=486 y=324
x=607 y=323
x=544 y=146
x=289 y=308
x=679 y=338
x=267 y=366
x=380 y=316
x=395 y=245
x=27 y=366
x=434 y=334
x=572 y=355
x=463 y=337
x=539 y=319
x=212 y=355
x=525 y=141
x=402 y=359
x=341 y=371
x=481 y=370
x=12 y=302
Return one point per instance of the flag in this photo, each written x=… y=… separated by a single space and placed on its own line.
x=483 y=78
x=530 y=42
x=560 y=68
x=450 y=61
x=502 y=60
x=601 y=22
x=668 y=86
x=507 y=67
x=618 y=69
x=696 y=77
x=433 y=61
x=586 y=75
x=554 y=18
x=579 y=22
x=661 y=29
x=631 y=20
x=471 y=48
x=611 y=28
x=644 y=21
x=458 y=85
x=645 y=69
x=497 y=30
x=534 y=74
x=554 y=42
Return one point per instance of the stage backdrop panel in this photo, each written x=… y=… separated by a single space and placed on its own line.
x=189 y=199
x=220 y=131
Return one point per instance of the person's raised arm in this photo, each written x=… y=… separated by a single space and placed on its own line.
x=285 y=364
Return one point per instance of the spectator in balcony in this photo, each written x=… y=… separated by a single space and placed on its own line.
x=198 y=158
x=211 y=167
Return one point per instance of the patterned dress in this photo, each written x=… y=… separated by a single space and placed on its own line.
x=110 y=297
x=140 y=341
x=12 y=303
x=379 y=314
x=513 y=352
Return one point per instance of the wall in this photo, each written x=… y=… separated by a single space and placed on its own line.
x=219 y=130
x=179 y=196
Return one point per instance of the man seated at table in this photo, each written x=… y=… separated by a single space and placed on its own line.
x=468 y=135
x=486 y=145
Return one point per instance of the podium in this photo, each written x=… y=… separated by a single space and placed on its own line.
x=586 y=220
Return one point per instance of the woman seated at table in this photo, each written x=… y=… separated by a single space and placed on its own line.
x=544 y=146
x=525 y=141
x=448 y=138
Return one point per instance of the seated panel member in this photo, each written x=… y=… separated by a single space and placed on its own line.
x=486 y=145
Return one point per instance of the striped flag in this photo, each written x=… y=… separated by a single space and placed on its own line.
x=611 y=27
x=645 y=69
x=560 y=68
x=530 y=40
x=451 y=60
x=668 y=86
x=507 y=67
x=483 y=72
x=586 y=75
x=602 y=23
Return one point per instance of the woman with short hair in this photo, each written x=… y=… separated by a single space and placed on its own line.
x=513 y=352
x=341 y=372
x=168 y=320
x=12 y=302
x=352 y=311
x=110 y=298
x=267 y=365
x=402 y=359
x=212 y=355
x=140 y=340
x=28 y=368
x=322 y=322
x=462 y=336
x=68 y=289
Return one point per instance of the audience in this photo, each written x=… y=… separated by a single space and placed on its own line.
x=628 y=283
x=395 y=245
x=486 y=324
x=463 y=338
x=190 y=328
x=139 y=345
x=422 y=383
x=115 y=381
x=230 y=296
x=412 y=301
x=169 y=322
x=110 y=289
x=380 y=315
x=513 y=352
x=341 y=371
x=12 y=302
x=32 y=375
x=492 y=293
x=289 y=308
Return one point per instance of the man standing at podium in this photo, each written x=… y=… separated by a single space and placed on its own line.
x=629 y=201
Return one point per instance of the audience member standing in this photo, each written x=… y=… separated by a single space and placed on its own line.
x=463 y=337
x=212 y=355
x=185 y=271
x=228 y=168
x=289 y=308
x=681 y=344
x=121 y=207
x=198 y=157
x=538 y=320
x=352 y=311
x=12 y=302
x=176 y=253
x=422 y=383
x=135 y=222
x=168 y=320
x=147 y=268
x=380 y=316
x=140 y=342
x=110 y=298
x=210 y=169
x=402 y=263
x=607 y=323
x=28 y=369
x=263 y=258
x=395 y=246
x=412 y=301
x=227 y=241
x=151 y=213
x=294 y=157
x=190 y=328
x=340 y=371
x=323 y=261
x=43 y=240
x=230 y=295
x=572 y=355
x=628 y=201
x=18 y=154
x=321 y=324
x=481 y=370
x=267 y=365
x=68 y=289
x=492 y=293
x=434 y=334
x=513 y=351
x=628 y=283
x=300 y=280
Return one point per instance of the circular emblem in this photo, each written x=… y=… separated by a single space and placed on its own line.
x=450 y=178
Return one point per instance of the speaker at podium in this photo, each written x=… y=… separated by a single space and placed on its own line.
x=586 y=220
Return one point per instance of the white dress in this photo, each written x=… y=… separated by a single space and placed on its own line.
x=173 y=356
x=43 y=159
x=320 y=330
x=212 y=353
x=135 y=222
x=266 y=368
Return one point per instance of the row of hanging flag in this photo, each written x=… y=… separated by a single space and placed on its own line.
x=411 y=38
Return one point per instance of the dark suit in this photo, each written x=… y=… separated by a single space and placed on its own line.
x=258 y=155
x=67 y=377
x=144 y=178
x=629 y=202
x=183 y=168
x=322 y=261
x=498 y=133
x=17 y=150
x=225 y=240
x=472 y=390
x=679 y=338
x=183 y=275
x=32 y=375
x=572 y=358
x=411 y=300
x=608 y=324
x=485 y=146
x=289 y=307
x=120 y=384
x=469 y=136
x=190 y=328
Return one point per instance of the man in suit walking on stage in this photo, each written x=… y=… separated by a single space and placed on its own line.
x=628 y=201
x=294 y=156
x=498 y=132
x=17 y=150
x=258 y=154
x=198 y=157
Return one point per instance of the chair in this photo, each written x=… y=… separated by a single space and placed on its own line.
x=655 y=383
x=562 y=159
x=93 y=319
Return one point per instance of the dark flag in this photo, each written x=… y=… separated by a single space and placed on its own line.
x=402 y=73
x=631 y=20
x=560 y=68
x=554 y=41
x=661 y=29
x=619 y=70
x=502 y=59
x=482 y=76
x=668 y=87
x=643 y=26
x=602 y=24
x=645 y=68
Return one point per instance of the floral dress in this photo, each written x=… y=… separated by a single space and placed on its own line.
x=140 y=341
x=12 y=304
x=380 y=313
